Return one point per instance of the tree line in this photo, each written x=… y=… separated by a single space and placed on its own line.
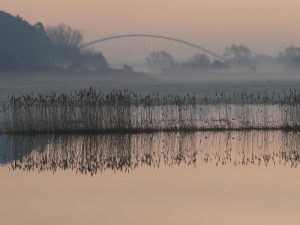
x=235 y=57
x=26 y=46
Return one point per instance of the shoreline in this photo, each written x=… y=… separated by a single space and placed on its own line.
x=150 y=130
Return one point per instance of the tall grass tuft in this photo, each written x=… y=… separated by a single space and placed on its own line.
x=93 y=111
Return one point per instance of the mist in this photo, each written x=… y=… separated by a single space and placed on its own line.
x=43 y=56
x=263 y=25
x=128 y=111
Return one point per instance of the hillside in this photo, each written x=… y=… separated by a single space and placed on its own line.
x=22 y=45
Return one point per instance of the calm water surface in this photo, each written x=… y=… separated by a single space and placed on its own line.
x=229 y=178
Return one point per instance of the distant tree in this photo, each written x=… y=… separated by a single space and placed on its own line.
x=93 y=60
x=65 y=49
x=65 y=36
x=238 y=55
x=161 y=61
x=218 y=65
x=291 y=56
x=198 y=62
x=40 y=28
x=127 y=68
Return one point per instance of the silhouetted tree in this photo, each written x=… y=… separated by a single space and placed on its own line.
x=64 y=42
x=65 y=49
x=198 y=62
x=218 y=65
x=65 y=36
x=127 y=68
x=93 y=60
x=238 y=55
x=40 y=28
x=291 y=56
x=26 y=46
x=161 y=61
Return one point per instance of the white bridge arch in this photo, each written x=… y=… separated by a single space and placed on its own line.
x=198 y=47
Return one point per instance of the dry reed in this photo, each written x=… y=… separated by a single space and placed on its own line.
x=92 y=111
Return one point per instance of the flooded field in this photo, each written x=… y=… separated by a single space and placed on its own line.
x=162 y=178
x=92 y=154
x=204 y=158
x=127 y=112
x=93 y=111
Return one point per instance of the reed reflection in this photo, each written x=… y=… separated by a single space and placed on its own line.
x=91 y=154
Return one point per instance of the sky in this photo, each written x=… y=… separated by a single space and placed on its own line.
x=266 y=26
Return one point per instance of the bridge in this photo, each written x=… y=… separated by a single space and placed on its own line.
x=133 y=49
x=195 y=46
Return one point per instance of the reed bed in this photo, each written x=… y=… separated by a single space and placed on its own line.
x=92 y=111
x=92 y=154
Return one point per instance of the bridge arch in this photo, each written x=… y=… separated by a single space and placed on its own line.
x=205 y=50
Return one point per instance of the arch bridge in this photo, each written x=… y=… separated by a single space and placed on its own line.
x=172 y=39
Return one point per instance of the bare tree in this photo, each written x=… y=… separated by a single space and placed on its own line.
x=199 y=61
x=238 y=55
x=161 y=61
x=291 y=56
x=65 y=36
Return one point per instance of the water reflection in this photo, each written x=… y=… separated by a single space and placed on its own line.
x=96 y=153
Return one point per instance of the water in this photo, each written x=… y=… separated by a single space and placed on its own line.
x=162 y=178
x=18 y=85
x=93 y=154
x=22 y=85
x=173 y=178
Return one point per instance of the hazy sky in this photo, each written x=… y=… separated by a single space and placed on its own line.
x=264 y=25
